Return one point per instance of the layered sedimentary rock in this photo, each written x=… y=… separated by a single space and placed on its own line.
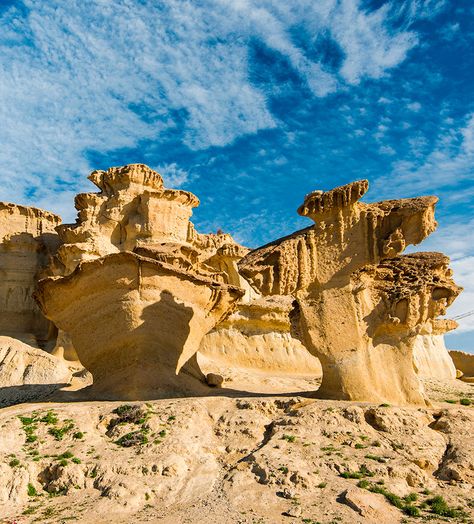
x=132 y=288
x=359 y=306
x=257 y=337
x=464 y=363
x=432 y=359
x=27 y=240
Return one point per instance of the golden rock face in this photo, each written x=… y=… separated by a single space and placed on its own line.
x=27 y=240
x=136 y=292
x=360 y=306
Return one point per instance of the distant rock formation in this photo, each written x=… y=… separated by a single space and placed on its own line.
x=464 y=363
x=135 y=287
x=359 y=306
x=257 y=336
x=28 y=373
x=27 y=241
x=432 y=359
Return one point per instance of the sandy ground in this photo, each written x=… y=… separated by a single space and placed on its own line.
x=262 y=451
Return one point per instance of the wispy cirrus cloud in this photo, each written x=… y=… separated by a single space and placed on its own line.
x=79 y=77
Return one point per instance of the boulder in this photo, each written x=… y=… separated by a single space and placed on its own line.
x=28 y=373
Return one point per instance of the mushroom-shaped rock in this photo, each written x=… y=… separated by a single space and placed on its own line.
x=136 y=323
x=358 y=304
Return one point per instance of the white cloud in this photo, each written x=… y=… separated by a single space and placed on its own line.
x=448 y=165
x=173 y=176
x=100 y=76
x=414 y=106
x=387 y=150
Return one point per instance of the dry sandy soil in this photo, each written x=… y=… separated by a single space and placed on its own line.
x=261 y=451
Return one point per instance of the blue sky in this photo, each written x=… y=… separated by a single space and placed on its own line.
x=250 y=104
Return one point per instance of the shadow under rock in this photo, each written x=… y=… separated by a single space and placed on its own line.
x=11 y=395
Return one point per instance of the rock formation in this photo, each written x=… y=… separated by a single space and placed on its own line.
x=133 y=288
x=257 y=337
x=28 y=373
x=432 y=359
x=464 y=363
x=359 y=306
x=27 y=240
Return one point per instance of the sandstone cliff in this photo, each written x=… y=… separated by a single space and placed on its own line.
x=27 y=240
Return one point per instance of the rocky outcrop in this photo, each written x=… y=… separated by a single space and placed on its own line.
x=135 y=322
x=359 y=306
x=27 y=240
x=132 y=287
x=431 y=358
x=28 y=373
x=464 y=362
x=257 y=337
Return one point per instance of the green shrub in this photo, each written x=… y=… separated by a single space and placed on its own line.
x=65 y=455
x=58 y=433
x=31 y=490
x=14 y=463
x=465 y=401
x=49 y=418
x=133 y=438
x=78 y=435
x=440 y=507
x=76 y=460
x=412 y=497
x=289 y=438
x=322 y=485
x=127 y=414
x=411 y=510
x=381 y=460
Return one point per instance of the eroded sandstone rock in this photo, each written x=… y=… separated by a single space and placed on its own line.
x=28 y=373
x=134 y=288
x=464 y=362
x=432 y=359
x=359 y=305
x=257 y=336
x=27 y=240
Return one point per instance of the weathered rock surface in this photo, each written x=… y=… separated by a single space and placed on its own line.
x=27 y=240
x=135 y=322
x=359 y=306
x=28 y=373
x=257 y=336
x=132 y=291
x=371 y=506
x=464 y=362
x=430 y=355
x=231 y=460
